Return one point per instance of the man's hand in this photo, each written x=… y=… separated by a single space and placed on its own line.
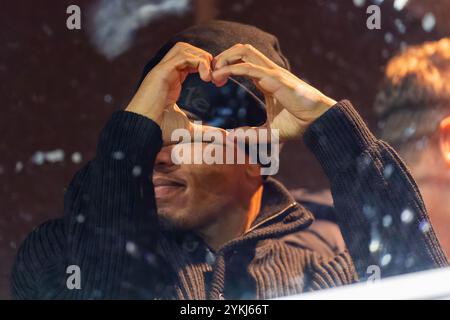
x=292 y=105
x=157 y=95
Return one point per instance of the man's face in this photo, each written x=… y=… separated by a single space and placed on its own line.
x=191 y=196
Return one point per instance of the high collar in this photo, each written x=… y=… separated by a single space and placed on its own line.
x=279 y=215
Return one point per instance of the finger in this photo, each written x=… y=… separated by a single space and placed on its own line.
x=242 y=53
x=190 y=63
x=205 y=67
x=173 y=118
x=222 y=61
x=200 y=53
x=204 y=70
x=209 y=134
x=273 y=107
x=176 y=118
x=253 y=71
x=183 y=47
x=253 y=135
x=176 y=49
x=196 y=50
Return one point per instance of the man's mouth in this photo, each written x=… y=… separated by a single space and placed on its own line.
x=168 y=187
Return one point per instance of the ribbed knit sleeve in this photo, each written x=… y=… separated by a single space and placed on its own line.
x=379 y=207
x=39 y=258
x=109 y=228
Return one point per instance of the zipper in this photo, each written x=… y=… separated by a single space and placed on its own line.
x=229 y=244
x=271 y=217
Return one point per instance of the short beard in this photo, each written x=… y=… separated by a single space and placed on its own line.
x=167 y=224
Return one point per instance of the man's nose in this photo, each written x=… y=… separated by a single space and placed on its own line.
x=163 y=161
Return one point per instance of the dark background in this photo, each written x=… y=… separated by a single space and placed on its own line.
x=57 y=91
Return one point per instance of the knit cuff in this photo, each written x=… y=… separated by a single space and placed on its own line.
x=130 y=136
x=338 y=137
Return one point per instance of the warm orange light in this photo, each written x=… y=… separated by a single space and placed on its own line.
x=444 y=131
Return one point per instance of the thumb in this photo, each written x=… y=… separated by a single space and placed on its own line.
x=205 y=133
x=264 y=134
x=173 y=118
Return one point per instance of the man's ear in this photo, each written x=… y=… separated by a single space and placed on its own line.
x=444 y=139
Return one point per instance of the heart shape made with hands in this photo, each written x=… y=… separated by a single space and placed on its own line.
x=291 y=104
x=175 y=118
x=227 y=123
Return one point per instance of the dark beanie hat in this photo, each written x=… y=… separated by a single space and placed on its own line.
x=235 y=104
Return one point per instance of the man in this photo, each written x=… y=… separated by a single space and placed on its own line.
x=413 y=109
x=137 y=225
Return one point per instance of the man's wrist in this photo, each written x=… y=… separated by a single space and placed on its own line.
x=151 y=114
x=324 y=104
x=321 y=107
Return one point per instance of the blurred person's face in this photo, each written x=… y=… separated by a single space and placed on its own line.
x=432 y=164
x=431 y=169
x=191 y=196
x=444 y=140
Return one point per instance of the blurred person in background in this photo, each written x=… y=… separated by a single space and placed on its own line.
x=413 y=112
